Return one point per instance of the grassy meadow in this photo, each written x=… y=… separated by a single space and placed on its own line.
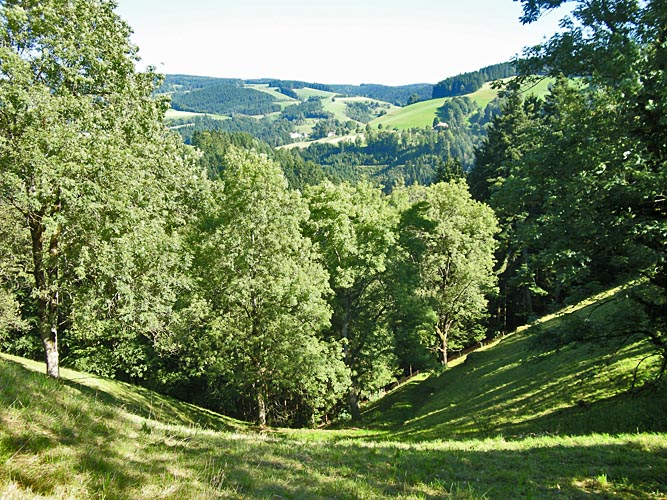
x=174 y=114
x=281 y=99
x=526 y=417
x=421 y=114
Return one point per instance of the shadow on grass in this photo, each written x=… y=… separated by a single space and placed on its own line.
x=49 y=435
x=138 y=400
x=153 y=406
x=512 y=391
x=84 y=443
x=622 y=469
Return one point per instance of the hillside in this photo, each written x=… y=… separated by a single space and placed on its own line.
x=535 y=382
x=516 y=419
x=421 y=114
x=271 y=109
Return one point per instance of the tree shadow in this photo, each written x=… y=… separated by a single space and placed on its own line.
x=571 y=469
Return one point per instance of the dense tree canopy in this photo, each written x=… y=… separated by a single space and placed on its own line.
x=467 y=83
x=457 y=266
x=266 y=292
x=354 y=228
x=88 y=170
x=579 y=180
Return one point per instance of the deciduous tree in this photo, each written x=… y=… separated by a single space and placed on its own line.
x=457 y=268
x=266 y=293
x=354 y=227
x=88 y=170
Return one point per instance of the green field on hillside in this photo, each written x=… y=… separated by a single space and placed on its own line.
x=272 y=91
x=306 y=92
x=338 y=105
x=174 y=114
x=522 y=418
x=417 y=115
x=421 y=114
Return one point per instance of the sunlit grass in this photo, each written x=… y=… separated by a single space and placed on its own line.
x=421 y=114
x=512 y=421
x=174 y=114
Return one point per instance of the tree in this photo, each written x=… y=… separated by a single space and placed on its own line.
x=411 y=317
x=618 y=47
x=457 y=267
x=266 y=293
x=354 y=228
x=506 y=142
x=448 y=171
x=88 y=169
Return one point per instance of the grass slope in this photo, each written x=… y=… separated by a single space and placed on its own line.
x=174 y=114
x=421 y=114
x=528 y=384
x=487 y=428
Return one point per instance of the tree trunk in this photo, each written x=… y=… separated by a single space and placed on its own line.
x=528 y=296
x=443 y=334
x=49 y=334
x=443 y=350
x=47 y=296
x=353 y=401
x=261 y=409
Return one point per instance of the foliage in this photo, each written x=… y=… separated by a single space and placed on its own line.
x=186 y=83
x=91 y=176
x=393 y=158
x=267 y=129
x=311 y=108
x=214 y=146
x=457 y=264
x=288 y=92
x=578 y=181
x=354 y=229
x=265 y=294
x=358 y=111
x=293 y=84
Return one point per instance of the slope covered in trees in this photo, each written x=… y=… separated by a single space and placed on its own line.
x=579 y=180
x=466 y=83
x=203 y=273
x=225 y=99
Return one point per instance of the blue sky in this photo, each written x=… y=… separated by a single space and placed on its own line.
x=392 y=42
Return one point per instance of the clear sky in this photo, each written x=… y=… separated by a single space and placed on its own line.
x=391 y=42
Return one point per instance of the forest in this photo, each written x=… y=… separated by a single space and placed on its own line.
x=467 y=83
x=283 y=288
x=225 y=99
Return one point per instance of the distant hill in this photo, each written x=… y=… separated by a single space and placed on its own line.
x=283 y=112
x=423 y=113
x=398 y=96
x=225 y=99
x=467 y=83
x=187 y=83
